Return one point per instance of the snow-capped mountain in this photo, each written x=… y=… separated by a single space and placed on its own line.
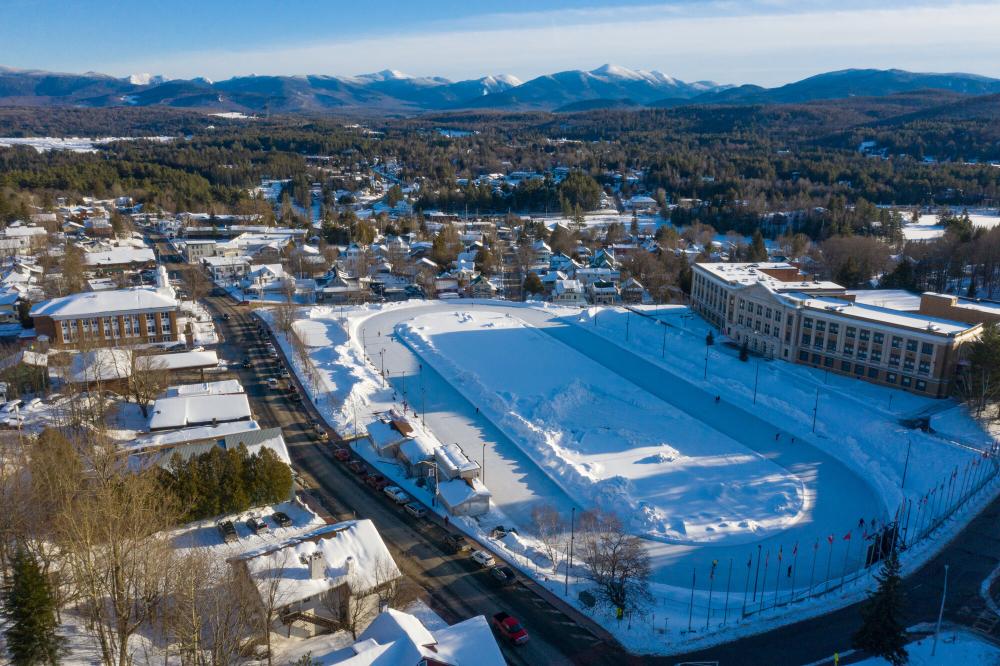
x=608 y=86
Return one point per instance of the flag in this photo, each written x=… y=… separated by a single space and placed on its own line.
x=830 y=539
x=816 y=545
x=779 y=553
x=750 y=561
x=795 y=549
x=847 y=537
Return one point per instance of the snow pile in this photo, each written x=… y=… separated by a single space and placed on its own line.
x=604 y=440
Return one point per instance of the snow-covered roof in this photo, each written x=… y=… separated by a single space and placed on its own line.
x=102 y=303
x=416 y=449
x=120 y=255
x=181 y=411
x=913 y=321
x=384 y=435
x=755 y=273
x=458 y=491
x=174 y=437
x=452 y=459
x=351 y=551
x=897 y=299
x=217 y=262
x=104 y=364
x=186 y=360
x=223 y=387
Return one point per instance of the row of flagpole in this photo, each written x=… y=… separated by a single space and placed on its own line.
x=770 y=580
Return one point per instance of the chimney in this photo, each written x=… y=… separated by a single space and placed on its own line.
x=349 y=565
x=317 y=565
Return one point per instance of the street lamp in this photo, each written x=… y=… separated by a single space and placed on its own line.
x=484 y=463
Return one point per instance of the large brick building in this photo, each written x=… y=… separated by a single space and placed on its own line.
x=782 y=314
x=116 y=318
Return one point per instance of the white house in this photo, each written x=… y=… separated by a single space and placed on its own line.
x=568 y=292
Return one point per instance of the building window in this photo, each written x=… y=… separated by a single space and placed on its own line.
x=815 y=359
x=760 y=310
x=768 y=315
x=864 y=335
x=850 y=331
x=897 y=342
x=828 y=361
x=876 y=357
x=921 y=385
x=107 y=326
x=150 y=324
x=927 y=348
x=890 y=377
x=911 y=345
x=803 y=356
x=924 y=368
x=165 y=322
x=906 y=381
x=831 y=345
x=859 y=369
x=845 y=366
x=878 y=338
x=873 y=373
x=806 y=338
x=894 y=359
x=821 y=326
x=834 y=329
x=807 y=323
x=848 y=349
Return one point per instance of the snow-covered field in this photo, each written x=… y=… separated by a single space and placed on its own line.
x=73 y=144
x=929 y=228
x=556 y=397
x=606 y=441
x=954 y=646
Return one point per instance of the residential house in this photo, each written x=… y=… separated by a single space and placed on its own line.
x=316 y=582
x=121 y=259
x=568 y=292
x=602 y=292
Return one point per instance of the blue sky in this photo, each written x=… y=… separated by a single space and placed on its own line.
x=759 y=41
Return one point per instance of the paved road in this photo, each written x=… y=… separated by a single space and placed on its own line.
x=456 y=588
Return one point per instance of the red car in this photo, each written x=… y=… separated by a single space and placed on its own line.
x=343 y=455
x=508 y=627
x=356 y=466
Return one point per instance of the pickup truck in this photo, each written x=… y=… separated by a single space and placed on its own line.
x=508 y=627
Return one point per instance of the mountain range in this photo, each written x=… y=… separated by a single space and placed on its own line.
x=390 y=91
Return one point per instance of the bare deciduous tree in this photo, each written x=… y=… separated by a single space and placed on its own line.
x=615 y=560
x=550 y=528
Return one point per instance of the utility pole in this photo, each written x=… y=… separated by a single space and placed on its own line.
x=663 y=350
x=484 y=463
x=628 y=321
x=944 y=593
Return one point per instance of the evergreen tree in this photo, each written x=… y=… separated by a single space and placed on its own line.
x=881 y=633
x=757 y=251
x=533 y=284
x=31 y=609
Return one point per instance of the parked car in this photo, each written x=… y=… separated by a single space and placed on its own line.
x=294 y=396
x=356 y=466
x=483 y=558
x=509 y=627
x=228 y=531
x=374 y=479
x=341 y=454
x=227 y=316
x=397 y=494
x=273 y=383
x=281 y=519
x=415 y=510
x=320 y=431
x=247 y=363
x=283 y=372
x=503 y=575
x=457 y=543
x=257 y=525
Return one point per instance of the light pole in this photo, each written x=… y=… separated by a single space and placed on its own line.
x=906 y=464
x=381 y=354
x=484 y=463
x=815 y=410
x=569 y=564
x=944 y=593
x=628 y=321
x=756 y=376
x=663 y=349
x=706 y=362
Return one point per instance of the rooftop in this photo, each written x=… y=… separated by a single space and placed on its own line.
x=102 y=303
x=120 y=255
x=875 y=314
x=351 y=551
x=182 y=411
x=767 y=273
x=224 y=387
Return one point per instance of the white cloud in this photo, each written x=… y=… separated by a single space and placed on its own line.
x=768 y=48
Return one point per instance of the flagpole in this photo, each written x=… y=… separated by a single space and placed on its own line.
x=746 y=587
x=847 y=552
x=829 y=561
x=812 y=573
x=711 y=589
x=767 y=561
x=729 y=579
x=777 y=580
x=756 y=576
x=795 y=564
